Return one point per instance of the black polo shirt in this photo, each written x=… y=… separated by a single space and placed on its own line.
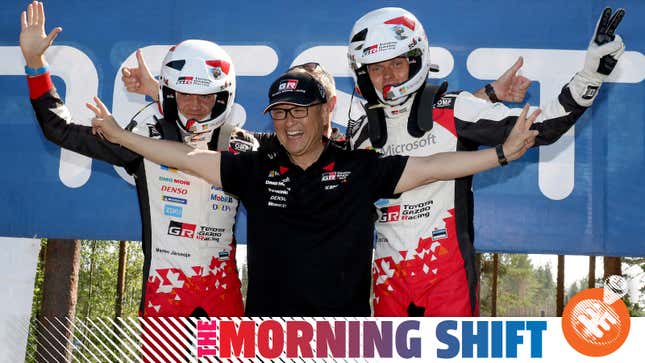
x=310 y=231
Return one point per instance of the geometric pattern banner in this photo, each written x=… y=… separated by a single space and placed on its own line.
x=318 y=340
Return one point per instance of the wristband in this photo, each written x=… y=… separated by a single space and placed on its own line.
x=500 y=155
x=33 y=72
x=490 y=92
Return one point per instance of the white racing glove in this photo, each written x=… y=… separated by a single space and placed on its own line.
x=602 y=55
x=242 y=141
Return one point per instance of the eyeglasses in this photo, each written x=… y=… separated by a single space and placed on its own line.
x=295 y=112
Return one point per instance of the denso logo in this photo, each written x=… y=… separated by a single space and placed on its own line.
x=172 y=189
x=179 y=229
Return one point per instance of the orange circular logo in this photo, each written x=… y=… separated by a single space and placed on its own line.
x=595 y=322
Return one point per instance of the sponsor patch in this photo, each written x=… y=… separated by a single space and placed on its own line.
x=197 y=81
x=439 y=234
x=399 y=32
x=206 y=233
x=445 y=102
x=167 y=198
x=167 y=168
x=380 y=47
x=427 y=140
x=221 y=198
x=590 y=92
x=172 y=211
x=221 y=207
x=174 y=190
x=180 y=229
x=166 y=179
x=390 y=214
x=335 y=175
x=288 y=84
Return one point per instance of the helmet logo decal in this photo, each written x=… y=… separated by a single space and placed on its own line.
x=197 y=81
x=218 y=66
x=402 y=20
x=380 y=47
x=413 y=43
x=399 y=32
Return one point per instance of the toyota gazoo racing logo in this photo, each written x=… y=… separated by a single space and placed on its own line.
x=289 y=84
x=371 y=49
x=198 y=81
x=380 y=47
x=180 y=229
x=390 y=214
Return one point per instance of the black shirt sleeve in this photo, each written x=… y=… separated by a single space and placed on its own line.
x=236 y=172
x=383 y=173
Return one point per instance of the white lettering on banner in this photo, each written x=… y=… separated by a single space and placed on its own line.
x=557 y=161
x=249 y=60
x=81 y=80
x=556 y=165
x=334 y=59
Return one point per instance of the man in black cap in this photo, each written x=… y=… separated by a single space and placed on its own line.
x=309 y=202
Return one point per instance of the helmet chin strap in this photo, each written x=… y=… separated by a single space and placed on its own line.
x=395 y=102
x=185 y=124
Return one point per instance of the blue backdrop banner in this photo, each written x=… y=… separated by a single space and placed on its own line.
x=582 y=195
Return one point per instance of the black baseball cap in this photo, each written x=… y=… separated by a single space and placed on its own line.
x=296 y=88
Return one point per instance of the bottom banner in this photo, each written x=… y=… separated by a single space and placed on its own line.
x=355 y=339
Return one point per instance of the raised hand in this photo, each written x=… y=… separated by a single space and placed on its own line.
x=510 y=86
x=33 y=39
x=605 y=48
x=103 y=124
x=521 y=137
x=140 y=80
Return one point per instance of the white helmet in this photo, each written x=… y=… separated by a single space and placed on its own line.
x=385 y=34
x=197 y=67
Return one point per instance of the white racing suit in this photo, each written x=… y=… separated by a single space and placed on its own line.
x=187 y=224
x=424 y=259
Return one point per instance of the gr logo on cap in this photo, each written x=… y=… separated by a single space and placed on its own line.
x=296 y=88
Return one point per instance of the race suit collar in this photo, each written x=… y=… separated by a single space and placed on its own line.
x=402 y=110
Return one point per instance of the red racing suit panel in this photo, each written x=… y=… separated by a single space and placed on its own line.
x=187 y=224
x=424 y=252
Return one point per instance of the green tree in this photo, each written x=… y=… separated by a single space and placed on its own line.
x=523 y=290
x=98 y=279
